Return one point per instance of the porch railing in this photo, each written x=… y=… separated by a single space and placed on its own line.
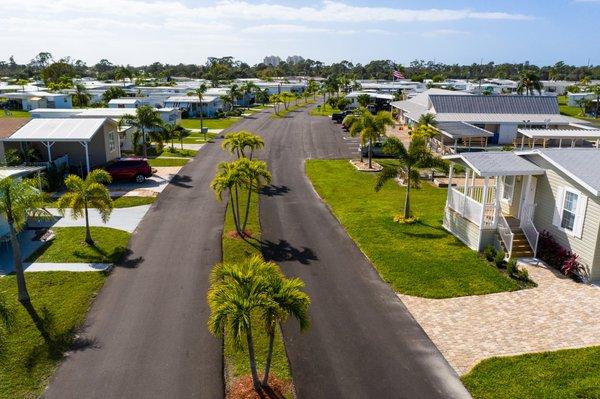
x=476 y=193
x=506 y=234
x=467 y=207
x=63 y=160
x=531 y=233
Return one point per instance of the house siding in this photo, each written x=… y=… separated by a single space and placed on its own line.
x=546 y=192
x=512 y=209
x=464 y=230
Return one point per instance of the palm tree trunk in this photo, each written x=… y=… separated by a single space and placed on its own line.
x=407 y=198
x=144 y=151
x=370 y=154
x=88 y=234
x=236 y=200
x=16 y=249
x=247 y=212
x=269 y=359
x=252 y=358
x=235 y=215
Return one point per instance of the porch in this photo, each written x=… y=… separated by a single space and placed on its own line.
x=457 y=137
x=495 y=200
x=573 y=136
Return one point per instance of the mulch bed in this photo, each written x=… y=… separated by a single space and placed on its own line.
x=234 y=234
x=242 y=388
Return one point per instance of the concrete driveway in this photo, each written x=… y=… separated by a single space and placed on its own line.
x=151 y=187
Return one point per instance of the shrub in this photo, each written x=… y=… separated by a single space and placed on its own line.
x=557 y=256
x=499 y=259
x=490 y=253
x=511 y=267
x=522 y=274
x=399 y=218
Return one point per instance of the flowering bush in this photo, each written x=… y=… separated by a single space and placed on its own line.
x=557 y=256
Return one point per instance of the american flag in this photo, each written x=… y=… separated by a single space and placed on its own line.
x=398 y=75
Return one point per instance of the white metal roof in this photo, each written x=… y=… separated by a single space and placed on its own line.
x=16 y=171
x=124 y=101
x=58 y=129
x=191 y=99
x=497 y=163
x=591 y=134
x=506 y=118
x=383 y=96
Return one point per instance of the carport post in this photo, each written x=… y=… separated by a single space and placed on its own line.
x=522 y=141
x=49 y=145
x=87 y=156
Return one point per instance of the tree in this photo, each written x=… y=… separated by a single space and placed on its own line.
x=228 y=102
x=583 y=104
x=85 y=193
x=199 y=92
x=275 y=99
x=239 y=175
x=112 y=93
x=286 y=97
x=312 y=88
x=81 y=97
x=145 y=118
x=234 y=94
x=363 y=100
x=22 y=83
x=528 y=83
x=57 y=72
x=248 y=88
x=418 y=155
x=19 y=200
x=240 y=292
x=237 y=143
x=596 y=90
x=262 y=96
x=170 y=132
x=181 y=135
x=370 y=128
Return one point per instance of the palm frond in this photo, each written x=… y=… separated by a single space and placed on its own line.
x=386 y=174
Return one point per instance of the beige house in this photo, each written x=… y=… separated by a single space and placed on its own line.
x=511 y=197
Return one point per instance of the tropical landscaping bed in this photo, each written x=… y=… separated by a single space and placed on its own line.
x=565 y=374
x=324 y=110
x=60 y=301
x=283 y=111
x=237 y=367
x=420 y=259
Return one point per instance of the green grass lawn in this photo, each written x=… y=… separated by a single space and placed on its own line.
x=14 y=114
x=325 y=110
x=236 y=250
x=61 y=300
x=293 y=107
x=574 y=111
x=197 y=138
x=220 y=123
x=166 y=161
x=68 y=246
x=566 y=374
x=421 y=259
x=178 y=152
x=119 y=202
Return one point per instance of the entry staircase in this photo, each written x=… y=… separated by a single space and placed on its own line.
x=517 y=245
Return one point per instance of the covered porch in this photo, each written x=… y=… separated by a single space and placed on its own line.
x=557 y=138
x=457 y=137
x=496 y=195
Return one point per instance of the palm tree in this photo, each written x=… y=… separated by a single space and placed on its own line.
x=239 y=175
x=290 y=300
x=238 y=142
x=81 y=96
x=363 y=100
x=416 y=156
x=234 y=94
x=228 y=102
x=248 y=88
x=200 y=93
x=171 y=132
x=275 y=99
x=82 y=194
x=18 y=201
x=145 y=118
x=312 y=88
x=596 y=90
x=583 y=104
x=370 y=128
x=528 y=83
x=262 y=96
x=236 y=293
x=182 y=134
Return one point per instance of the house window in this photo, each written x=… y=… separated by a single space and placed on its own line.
x=508 y=188
x=111 y=142
x=569 y=210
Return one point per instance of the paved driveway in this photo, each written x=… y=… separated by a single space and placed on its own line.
x=363 y=343
x=558 y=314
x=121 y=218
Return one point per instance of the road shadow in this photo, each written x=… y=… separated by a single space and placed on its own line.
x=128 y=261
x=55 y=343
x=273 y=190
x=181 y=181
x=283 y=251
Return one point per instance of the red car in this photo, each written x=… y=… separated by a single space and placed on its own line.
x=136 y=169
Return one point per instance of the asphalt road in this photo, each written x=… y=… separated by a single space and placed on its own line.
x=146 y=334
x=363 y=342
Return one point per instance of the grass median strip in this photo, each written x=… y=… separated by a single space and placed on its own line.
x=210 y=123
x=68 y=246
x=324 y=110
x=565 y=374
x=60 y=300
x=167 y=161
x=119 y=202
x=237 y=250
x=421 y=259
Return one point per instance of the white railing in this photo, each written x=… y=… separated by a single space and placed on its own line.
x=476 y=193
x=455 y=200
x=472 y=210
x=489 y=213
x=506 y=234
x=531 y=233
x=63 y=160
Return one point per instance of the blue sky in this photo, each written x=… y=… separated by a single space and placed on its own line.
x=139 y=31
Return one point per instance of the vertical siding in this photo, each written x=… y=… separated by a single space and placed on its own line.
x=545 y=197
x=464 y=230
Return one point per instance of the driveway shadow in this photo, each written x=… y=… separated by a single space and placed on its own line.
x=273 y=190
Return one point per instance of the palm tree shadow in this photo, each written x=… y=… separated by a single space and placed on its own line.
x=273 y=190
x=128 y=261
x=55 y=343
x=181 y=181
x=282 y=251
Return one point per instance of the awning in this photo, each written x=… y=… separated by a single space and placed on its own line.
x=496 y=163
x=459 y=130
x=586 y=134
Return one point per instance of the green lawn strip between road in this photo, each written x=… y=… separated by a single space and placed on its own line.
x=210 y=123
x=565 y=374
x=61 y=300
x=166 y=161
x=119 y=202
x=421 y=259
x=283 y=112
x=68 y=246
x=324 y=110
x=237 y=250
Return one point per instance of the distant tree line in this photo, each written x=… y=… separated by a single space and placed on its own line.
x=217 y=70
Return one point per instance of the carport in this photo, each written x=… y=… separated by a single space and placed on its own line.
x=556 y=137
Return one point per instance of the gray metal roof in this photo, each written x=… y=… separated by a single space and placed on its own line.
x=457 y=130
x=580 y=164
x=494 y=104
x=497 y=163
x=591 y=134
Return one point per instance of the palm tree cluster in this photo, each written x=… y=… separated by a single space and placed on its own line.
x=241 y=178
x=147 y=121
x=368 y=127
x=241 y=293
x=528 y=83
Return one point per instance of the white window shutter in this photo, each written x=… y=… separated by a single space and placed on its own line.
x=558 y=204
x=580 y=217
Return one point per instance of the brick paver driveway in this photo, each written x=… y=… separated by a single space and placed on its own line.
x=558 y=314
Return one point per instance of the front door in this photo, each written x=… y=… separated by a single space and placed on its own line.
x=528 y=197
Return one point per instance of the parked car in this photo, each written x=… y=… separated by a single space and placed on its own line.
x=338 y=117
x=137 y=169
x=376 y=150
